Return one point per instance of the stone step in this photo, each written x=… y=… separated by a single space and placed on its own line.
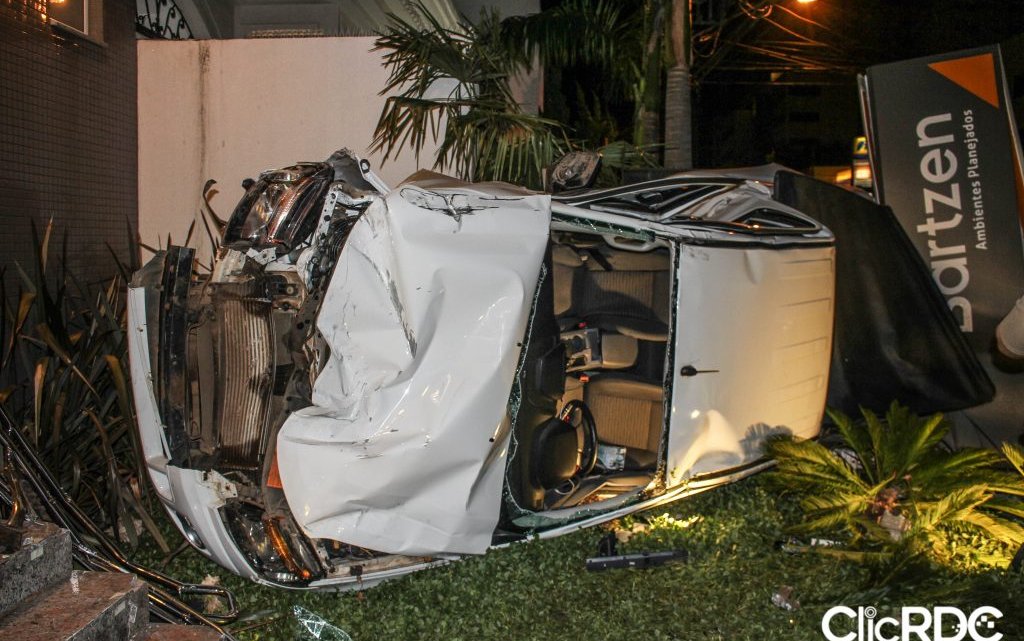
x=43 y=561
x=88 y=606
x=168 y=632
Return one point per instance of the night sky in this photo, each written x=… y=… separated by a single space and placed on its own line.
x=744 y=115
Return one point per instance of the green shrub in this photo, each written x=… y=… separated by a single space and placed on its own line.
x=65 y=361
x=897 y=493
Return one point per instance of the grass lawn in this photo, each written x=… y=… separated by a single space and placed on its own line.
x=540 y=590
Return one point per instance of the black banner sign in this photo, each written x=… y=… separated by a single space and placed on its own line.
x=945 y=158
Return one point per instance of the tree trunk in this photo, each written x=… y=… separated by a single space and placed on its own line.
x=678 y=108
x=678 y=119
x=649 y=91
x=650 y=121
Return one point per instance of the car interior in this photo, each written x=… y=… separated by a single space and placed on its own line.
x=592 y=412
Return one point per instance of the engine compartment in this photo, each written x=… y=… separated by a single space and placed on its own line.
x=237 y=351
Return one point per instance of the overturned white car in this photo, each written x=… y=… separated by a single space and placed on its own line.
x=374 y=381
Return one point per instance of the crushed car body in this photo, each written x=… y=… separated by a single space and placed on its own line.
x=372 y=381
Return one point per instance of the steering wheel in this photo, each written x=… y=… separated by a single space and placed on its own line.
x=588 y=448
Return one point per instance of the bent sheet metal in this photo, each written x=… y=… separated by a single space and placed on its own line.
x=403 y=450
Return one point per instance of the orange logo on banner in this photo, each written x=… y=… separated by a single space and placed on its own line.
x=976 y=74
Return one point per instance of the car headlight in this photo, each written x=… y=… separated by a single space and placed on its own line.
x=281 y=208
x=273 y=547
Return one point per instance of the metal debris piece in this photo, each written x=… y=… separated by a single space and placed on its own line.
x=783 y=598
x=608 y=545
x=316 y=627
x=166 y=593
x=849 y=457
x=638 y=561
x=895 y=524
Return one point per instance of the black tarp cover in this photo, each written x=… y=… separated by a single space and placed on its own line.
x=895 y=338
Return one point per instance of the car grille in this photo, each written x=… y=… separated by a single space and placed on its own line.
x=244 y=375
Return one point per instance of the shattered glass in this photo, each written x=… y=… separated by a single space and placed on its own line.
x=314 y=626
x=602 y=228
x=516 y=398
x=783 y=598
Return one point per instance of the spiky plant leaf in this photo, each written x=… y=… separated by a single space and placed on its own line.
x=857 y=438
x=911 y=439
x=77 y=410
x=808 y=462
x=878 y=454
x=1015 y=455
x=945 y=472
x=1013 y=507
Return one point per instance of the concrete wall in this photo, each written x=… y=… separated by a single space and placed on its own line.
x=230 y=109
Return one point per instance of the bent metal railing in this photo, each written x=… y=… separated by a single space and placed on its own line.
x=93 y=549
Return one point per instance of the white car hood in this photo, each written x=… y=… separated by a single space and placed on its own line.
x=404 y=448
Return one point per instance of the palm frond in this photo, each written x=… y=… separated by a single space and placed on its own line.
x=1015 y=455
x=1000 y=529
x=910 y=438
x=809 y=462
x=876 y=433
x=457 y=81
x=945 y=472
x=856 y=436
x=602 y=33
x=929 y=514
x=1013 y=507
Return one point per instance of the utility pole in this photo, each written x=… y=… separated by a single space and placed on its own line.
x=678 y=94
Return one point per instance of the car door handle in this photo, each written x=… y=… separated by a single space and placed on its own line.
x=690 y=370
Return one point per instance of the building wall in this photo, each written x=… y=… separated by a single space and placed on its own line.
x=229 y=109
x=67 y=136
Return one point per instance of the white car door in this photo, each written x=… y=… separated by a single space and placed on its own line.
x=753 y=336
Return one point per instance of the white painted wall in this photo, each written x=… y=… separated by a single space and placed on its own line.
x=229 y=109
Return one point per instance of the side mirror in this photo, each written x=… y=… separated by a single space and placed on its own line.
x=574 y=170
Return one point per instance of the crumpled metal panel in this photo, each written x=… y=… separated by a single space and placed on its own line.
x=404 y=449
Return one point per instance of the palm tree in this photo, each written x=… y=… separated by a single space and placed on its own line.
x=678 y=92
x=625 y=41
x=458 y=80
x=895 y=490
